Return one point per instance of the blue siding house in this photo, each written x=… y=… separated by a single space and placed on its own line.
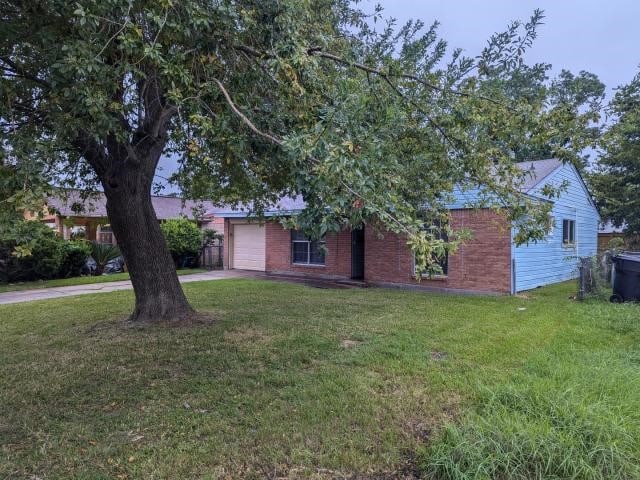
x=574 y=233
x=490 y=262
x=575 y=225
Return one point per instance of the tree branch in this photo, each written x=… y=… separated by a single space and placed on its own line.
x=445 y=136
x=316 y=51
x=91 y=151
x=244 y=118
x=279 y=142
x=19 y=70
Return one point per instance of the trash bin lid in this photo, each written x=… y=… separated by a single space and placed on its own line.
x=627 y=263
x=630 y=256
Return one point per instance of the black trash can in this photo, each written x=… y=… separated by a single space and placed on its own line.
x=626 y=281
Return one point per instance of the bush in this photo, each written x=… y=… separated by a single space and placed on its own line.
x=75 y=254
x=183 y=237
x=103 y=253
x=30 y=250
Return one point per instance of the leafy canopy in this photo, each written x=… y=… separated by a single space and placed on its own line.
x=570 y=105
x=366 y=119
x=617 y=180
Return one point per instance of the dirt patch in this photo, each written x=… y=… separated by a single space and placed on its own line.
x=347 y=343
x=115 y=326
x=451 y=407
x=408 y=471
x=438 y=356
x=193 y=319
x=420 y=429
x=248 y=334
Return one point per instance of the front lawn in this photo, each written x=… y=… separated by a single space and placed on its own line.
x=300 y=382
x=65 y=282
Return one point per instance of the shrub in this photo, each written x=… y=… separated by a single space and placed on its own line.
x=183 y=238
x=75 y=254
x=30 y=250
x=103 y=253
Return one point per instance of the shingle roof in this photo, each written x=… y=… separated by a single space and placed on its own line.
x=283 y=206
x=71 y=204
x=537 y=170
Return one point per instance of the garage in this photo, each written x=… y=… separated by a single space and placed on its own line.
x=248 y=247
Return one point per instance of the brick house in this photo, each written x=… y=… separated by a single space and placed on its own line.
x=490 y=262
x=375 y=257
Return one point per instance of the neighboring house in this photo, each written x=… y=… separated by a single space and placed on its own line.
x=489 y=262
x=70 y=212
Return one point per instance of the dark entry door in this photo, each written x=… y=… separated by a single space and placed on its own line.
x=357 y=254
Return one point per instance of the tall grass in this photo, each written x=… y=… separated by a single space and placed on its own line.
x=571 y=414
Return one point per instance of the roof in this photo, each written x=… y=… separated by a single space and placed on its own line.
x=285 y=205
x=537 y=171
x=72 y=204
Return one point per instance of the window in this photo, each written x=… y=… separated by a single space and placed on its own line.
x=305 y=251
x=440 y=234
x=568 y=232
x=106 y=234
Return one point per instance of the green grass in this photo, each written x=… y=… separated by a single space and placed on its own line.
x=65 y=282
x=436 y=385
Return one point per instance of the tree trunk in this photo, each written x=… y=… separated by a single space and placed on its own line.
x=126 y=169
x=159 y=296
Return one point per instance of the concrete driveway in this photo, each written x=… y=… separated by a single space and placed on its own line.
x=58 y=292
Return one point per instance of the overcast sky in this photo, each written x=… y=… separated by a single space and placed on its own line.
x=602 y=37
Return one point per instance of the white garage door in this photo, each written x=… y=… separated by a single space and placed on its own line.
x=248 y=247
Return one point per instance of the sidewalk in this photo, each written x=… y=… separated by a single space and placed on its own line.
x=58 y=292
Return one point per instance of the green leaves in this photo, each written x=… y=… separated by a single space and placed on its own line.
x=103 y=253
x=617 y=180
x=183 y=237
x=261 y=99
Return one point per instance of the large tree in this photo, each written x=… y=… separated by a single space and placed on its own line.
x=260 y=98
x=616 y=181
x=571 y=105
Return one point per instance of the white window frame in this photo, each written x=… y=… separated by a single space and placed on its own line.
x=571 y=234
x=309 y=243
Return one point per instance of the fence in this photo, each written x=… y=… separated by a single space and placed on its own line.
x=211 y=256
x=589 y=278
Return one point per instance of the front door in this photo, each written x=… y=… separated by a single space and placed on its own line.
x=357 y=254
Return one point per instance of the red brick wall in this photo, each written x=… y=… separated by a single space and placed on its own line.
x=337 y=259
x=481 y=264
